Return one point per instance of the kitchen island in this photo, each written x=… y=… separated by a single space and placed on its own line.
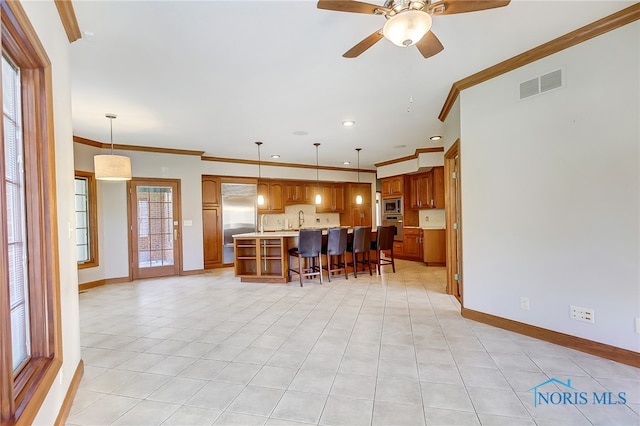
x=263 y=257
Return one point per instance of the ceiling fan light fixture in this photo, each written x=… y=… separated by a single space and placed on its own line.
x=407 y=28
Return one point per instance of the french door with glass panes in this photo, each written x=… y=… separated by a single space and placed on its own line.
x=154 y=223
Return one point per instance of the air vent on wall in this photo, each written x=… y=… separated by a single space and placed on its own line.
x=541 y=84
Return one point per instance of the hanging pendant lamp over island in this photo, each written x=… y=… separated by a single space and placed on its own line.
x=260 y=196
x=359 y=196
x=318 y=196
x=109 y=166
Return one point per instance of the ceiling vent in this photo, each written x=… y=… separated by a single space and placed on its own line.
x=541 y=84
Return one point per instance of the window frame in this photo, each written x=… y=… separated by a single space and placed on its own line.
x=92 y=217
x=22 y=394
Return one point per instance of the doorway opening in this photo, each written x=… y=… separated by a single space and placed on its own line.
x=154 y=224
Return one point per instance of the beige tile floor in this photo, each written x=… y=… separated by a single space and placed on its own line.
x=382 y=350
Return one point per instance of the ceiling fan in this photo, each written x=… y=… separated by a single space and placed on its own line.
x=408 y=21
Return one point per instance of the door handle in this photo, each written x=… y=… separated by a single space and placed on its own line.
x=175 y=235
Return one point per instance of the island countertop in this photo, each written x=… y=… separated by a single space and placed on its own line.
x=280 y=234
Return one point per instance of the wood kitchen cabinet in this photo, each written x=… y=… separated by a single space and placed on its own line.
x=273 y=193
x=357 y=214
x=437 y=180
x=332 y=198
x=434 y=246
x=412 y=243
x=420 y=191
x=426 y=190
x=211 y=228
x=297 y=193
x=392 y=186
x=211 y=221
x=211 y=190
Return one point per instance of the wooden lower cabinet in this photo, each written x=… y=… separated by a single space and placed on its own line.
x=434 y=246
x=412 y=243
x=211 y=227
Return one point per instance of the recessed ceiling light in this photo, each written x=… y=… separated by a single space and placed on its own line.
x=346 y=163
x=275 y=156
x=300 y=133
x=348 y=123
x=435 y=138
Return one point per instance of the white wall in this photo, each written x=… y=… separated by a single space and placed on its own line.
x=46 y=21
x=112 y=209
x=551 y=192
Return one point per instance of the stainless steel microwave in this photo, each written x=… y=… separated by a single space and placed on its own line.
x=392 y=206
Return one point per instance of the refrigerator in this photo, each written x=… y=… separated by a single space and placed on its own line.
x=239 y=214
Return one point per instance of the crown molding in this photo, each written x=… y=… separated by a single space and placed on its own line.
x=599 y=27
x=96 y=144
x=280 y=164
x=68 y=18
x=410 y=157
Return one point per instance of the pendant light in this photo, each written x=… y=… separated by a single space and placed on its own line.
x=112 y=167
x=318 y=196
x=358 y=197
x=260 y=196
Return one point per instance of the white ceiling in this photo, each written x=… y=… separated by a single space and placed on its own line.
x=216 y=76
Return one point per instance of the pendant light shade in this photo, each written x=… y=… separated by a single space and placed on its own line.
x=318 y=196
x=109 y=166
x=260 y=196
x=359 y=196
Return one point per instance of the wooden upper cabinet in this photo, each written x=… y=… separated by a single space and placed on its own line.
x=420 y=192
x=437 y=180
x=362 y=189
x=392 y=186
x=426 y=190
x=295 y=193
x=273 y=193
x=332 y=198
x=211 y=190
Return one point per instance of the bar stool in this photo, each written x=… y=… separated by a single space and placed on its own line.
x=360 y=244
x=336 y=249
x=309 y=247
x=384 y=241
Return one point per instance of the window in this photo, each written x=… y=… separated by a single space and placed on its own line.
x=30 y=354
x=86 y=220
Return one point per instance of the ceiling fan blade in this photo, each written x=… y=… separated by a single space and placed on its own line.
x=449 y=7
x=352 y=6
x=429 y=45
x=359 y=48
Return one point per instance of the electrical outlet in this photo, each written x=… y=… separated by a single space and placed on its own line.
x=426 y=218
x=524 y=303
x=317 y=220
x=582 y=314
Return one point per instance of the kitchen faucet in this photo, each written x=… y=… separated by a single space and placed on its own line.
x=300 y=218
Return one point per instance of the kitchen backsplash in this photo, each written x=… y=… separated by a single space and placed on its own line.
x=290 y=219
x=432 y=218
